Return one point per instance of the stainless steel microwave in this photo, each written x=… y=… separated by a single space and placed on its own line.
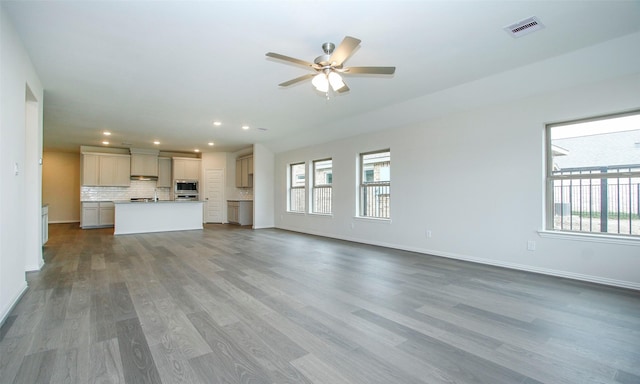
x=189 y=187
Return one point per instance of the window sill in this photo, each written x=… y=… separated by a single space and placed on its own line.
x=321 y=214
x=373 y=219
x=575 y=236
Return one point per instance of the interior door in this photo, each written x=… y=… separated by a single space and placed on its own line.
x=214 y=187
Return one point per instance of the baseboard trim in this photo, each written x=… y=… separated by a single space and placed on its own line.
x=514 y=266
x=34 y=268
x=12 y=304
x=63 y=221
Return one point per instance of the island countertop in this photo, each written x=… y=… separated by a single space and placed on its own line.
x=158 y=202
x=157 y=216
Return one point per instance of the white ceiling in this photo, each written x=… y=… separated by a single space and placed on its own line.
x=148 y=70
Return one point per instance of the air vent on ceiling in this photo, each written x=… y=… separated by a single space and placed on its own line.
x=524 y=27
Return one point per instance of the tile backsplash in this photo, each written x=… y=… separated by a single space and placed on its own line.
x=138 y=188
x=245 y=193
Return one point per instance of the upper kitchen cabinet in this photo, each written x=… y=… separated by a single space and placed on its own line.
x=105 y=170
x=164 y=172
x=244 y=171
x=186 y=168
x=144 y=162
x=90 y=168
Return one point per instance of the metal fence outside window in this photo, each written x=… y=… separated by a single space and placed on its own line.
x=296 y=200
x=322 y=200
x=600 y=201
x=374 y=198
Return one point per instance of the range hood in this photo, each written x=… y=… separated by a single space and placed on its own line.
x=144 y=178
x=144 y=164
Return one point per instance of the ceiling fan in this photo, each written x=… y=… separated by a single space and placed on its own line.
x=328 y=67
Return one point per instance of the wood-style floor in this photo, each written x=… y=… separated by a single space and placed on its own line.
x=233 y=305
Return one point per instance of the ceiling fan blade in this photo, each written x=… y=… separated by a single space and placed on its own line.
x=291 y=59
x=343 y=89
x=297 y=79
x=371 y=70
x=344 y=50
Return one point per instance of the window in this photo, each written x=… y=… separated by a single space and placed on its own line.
x=296 y=187
x=375 y=184
x=593 y=175
x=322 y=180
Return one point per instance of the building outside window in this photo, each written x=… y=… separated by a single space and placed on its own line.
x=375 y=184
x=322 y=186
x=593 y=175
x=297 y=175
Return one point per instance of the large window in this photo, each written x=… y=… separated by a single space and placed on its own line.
x=375 y=184
x=297 y=174
x=322 y=181
x=593 y=175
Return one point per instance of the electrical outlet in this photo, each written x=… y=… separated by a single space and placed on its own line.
x=531 y=245
x=427 y=233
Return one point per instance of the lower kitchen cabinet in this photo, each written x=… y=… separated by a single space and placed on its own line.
x=97 y=214
x=240 y=212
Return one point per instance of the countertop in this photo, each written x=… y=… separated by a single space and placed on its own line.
x=158 y=202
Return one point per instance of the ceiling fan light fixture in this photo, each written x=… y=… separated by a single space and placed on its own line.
x=336 y=81
x=321 y=82
x=329 y=67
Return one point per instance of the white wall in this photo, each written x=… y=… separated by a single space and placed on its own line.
x=24 y=148
x=475 y=178
x=263 y=186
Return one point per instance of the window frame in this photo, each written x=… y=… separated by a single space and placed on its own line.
x=291 y=188
x=315 y=186
x=551 y=179
x=363 y=185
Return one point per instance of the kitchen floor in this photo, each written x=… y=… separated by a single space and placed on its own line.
x=230 y=305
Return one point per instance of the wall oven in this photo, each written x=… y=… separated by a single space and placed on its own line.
x=185 y=189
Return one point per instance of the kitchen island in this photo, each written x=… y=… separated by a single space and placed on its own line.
x=157 y=216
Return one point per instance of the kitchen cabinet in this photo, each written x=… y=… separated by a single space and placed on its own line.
x=105 y=170
x=90 y=174
x=90 y=214
x=96 y=214
x=115 y=170
x=244 y=172
x=240 y=212
x=144 y=164
x=106 y=216
x=185 y=168
x=164 y=172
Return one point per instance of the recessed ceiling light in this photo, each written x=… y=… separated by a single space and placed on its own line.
x=105 y=142
x=211 y=143
x=156 y=142
x=217 y=123
x=196 y=150
x=245 y=127
x=106 y=133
